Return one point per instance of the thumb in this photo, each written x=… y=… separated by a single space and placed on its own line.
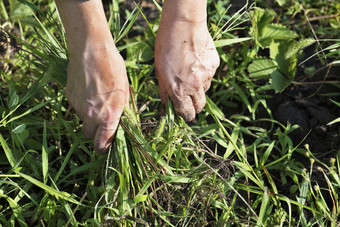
x=104 y=136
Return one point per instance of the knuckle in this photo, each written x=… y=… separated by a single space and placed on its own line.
x=90 y=111
x=196 y=82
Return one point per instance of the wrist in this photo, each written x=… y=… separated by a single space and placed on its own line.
x=188 y=11
x=92 y=41
x=85 y=25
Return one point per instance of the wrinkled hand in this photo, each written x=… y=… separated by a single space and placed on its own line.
x=97 y=88
x=185 y=60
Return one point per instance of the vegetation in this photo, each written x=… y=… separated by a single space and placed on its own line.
x=239 y=164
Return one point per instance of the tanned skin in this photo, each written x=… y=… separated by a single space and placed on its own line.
x=97 y=84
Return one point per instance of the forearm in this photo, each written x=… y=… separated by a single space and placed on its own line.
x=85 y=25
x=185 y=10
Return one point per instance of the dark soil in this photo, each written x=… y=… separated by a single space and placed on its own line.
x=309 y=106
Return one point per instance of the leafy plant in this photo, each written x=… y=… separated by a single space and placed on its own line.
x=281 y=63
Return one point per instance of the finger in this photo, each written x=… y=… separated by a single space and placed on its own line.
x=164 y=97
x=89 y=128
x=163 y=93
x=199 y=100
x=206 y=85
x=104 y=136
x=184 y=107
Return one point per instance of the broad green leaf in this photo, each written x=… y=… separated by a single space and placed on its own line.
x=261 y=68
x=275 y=32
x=14 y=100
x=279 y=81
x=278 y=53
x=23 y=136
x=19 y=129
x=260 y=19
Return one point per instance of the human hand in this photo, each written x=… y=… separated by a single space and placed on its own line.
x=97 y=88
x=185 y=60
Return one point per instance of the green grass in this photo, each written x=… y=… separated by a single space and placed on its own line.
x=235 y=166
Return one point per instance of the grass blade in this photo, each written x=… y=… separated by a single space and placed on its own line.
x=8 y=151
x=227 y=42
x=264 y=209
x=48 y=189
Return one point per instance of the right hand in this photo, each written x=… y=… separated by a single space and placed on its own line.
x=186 y=61
x=97 y=88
